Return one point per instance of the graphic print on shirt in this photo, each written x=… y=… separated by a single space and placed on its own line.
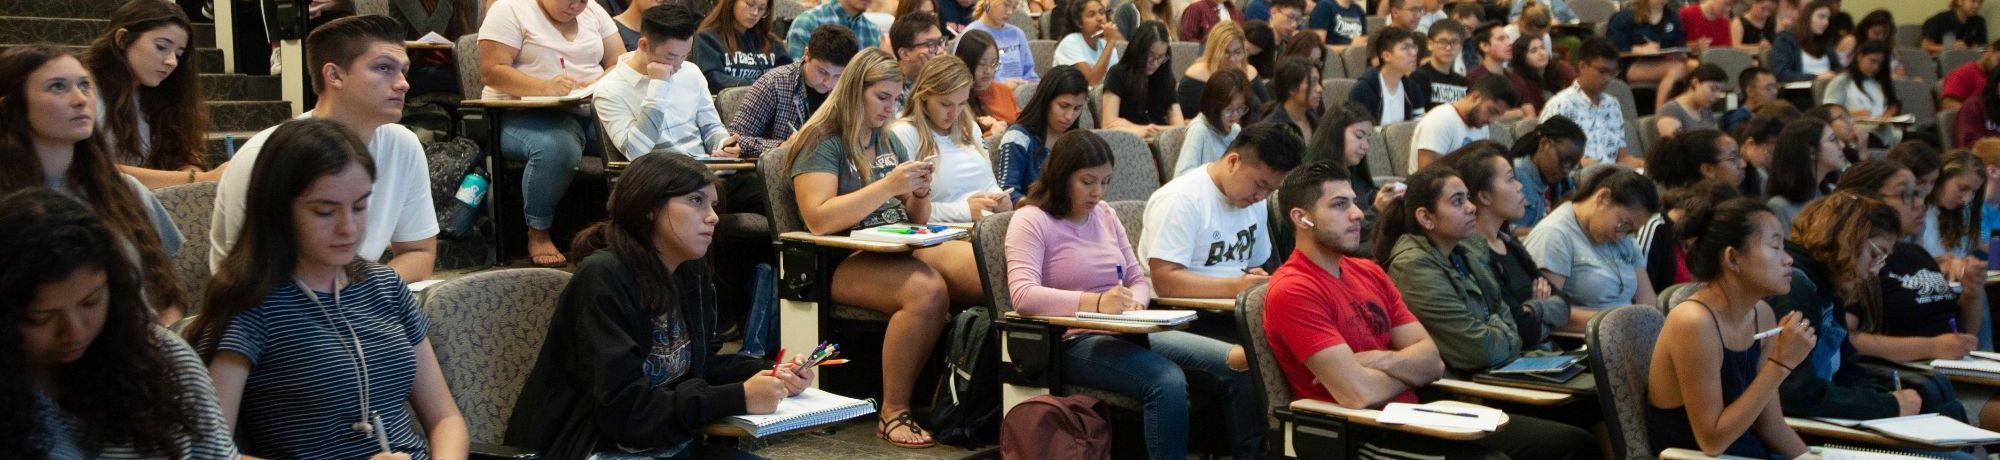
x=1347 y=26
x=1246 y=239
x=1365 y=314
x=1444 y=93
x=1929 y=285
x=742 y=64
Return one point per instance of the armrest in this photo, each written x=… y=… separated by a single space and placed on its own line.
x=1823 y=430
x=496 y=451
x=843 y=242
x=1196 y=303
x=1366 y=417
x=1502 y=393
x=1107 y=326
x=520 y=104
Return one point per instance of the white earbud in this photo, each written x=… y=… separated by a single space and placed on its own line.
x=1309 y=222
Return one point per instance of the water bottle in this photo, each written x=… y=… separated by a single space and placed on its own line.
x=471 y=189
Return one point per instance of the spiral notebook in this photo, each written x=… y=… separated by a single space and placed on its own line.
x=813 y=407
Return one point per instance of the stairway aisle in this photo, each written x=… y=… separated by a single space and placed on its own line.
x=239 y=105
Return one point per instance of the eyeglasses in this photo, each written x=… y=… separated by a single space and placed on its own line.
x=989 y=63
x=1235 y=112
x=759 y=10
x=932 y=44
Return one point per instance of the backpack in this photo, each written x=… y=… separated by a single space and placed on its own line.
x=965 y=409
x=1066 y=427
x=457 y=185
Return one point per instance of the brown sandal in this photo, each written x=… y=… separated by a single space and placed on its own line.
x=902 y=421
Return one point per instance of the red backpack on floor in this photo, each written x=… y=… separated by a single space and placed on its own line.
x=1066 y=427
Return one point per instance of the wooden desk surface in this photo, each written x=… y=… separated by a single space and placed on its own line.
x=1503 y=393
x=1107 y=326
x=733 y=431
x=1197 y=303
x=520 y=104
x=845 y=242
x=1691 y=454
x=417 y=45
x=1367 y=417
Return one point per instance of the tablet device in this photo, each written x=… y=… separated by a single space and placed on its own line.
x=1538 y=365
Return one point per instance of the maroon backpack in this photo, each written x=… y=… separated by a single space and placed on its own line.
x=1066 y=427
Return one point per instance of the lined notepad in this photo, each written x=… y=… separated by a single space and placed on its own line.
x=813 y=407
x=1459 y=416
x=1162 y=317
x=1931 y=429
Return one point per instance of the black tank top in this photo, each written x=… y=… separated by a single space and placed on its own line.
x=1669 y=428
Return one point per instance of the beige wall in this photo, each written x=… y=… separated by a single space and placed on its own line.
x=1916 y=11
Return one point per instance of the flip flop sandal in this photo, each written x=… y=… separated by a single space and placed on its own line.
x=903 y=421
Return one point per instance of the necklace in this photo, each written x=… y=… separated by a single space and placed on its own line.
x=357 y=354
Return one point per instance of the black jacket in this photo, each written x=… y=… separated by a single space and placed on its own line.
x=588 y=391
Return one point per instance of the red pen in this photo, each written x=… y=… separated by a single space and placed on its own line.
x=774 y=363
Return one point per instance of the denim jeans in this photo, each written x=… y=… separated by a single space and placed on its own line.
x=762 y=320
x=552 y=142
x=1110 y=364
x=1242 y=405
x=1158 y=378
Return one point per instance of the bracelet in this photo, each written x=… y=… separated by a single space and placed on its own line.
x=190 y=176
x=1775 y=361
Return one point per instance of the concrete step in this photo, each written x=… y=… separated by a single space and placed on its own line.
x=229 y=116
x=231 y=87
x=72 y=31
x=83 y=9
x=209 y=59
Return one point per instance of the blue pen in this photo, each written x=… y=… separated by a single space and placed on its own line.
x=937 y=228
x=1121 y=273
x=228 y=146
x=1954 y=325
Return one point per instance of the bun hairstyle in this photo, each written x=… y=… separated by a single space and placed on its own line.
x=1628 y=189
x=1426 y=187
x=1728 y=225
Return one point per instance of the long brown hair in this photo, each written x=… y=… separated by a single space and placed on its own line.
x=298 y=153
x=840 y=116
x=1833 y=230
x=627 y=231
x=175 y=112
x=123 y=389
x=1958 y=228
x=91 y=174
x=722 y=20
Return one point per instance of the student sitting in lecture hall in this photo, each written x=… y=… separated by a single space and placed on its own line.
x=655 y=101
x=1453 y=125
x=1492 y=186
x=993 y=104
x=626 y=367
x=1056 y=108
x=1340 y=332
x=88 y=370
x=847 y=173
x=360 y=89
x=936 y=126
x=316 y=352
x=1712 y=385
x=1224 y=102
x=1138 y=92
x=735 y=45
x=1585 y=246
x=784 y=97
x=44 y=103
x=1389 y=90
x=1227 y=48
x=148 y=78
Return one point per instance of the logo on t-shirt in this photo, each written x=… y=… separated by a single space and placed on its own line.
x=1929 y=286
x=1239 y=251
x=1365 y=314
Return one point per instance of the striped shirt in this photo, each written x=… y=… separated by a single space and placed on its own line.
x=643 y=115
x=212 y=441
x=866 y=33
x=303 y=394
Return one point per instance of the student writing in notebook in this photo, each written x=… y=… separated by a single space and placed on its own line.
x=1712 y=384
x=626 y=366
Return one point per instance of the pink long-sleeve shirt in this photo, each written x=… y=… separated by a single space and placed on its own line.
x=1052 y=262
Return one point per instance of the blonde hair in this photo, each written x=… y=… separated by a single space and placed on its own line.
x=1988 y=151
x=840 y=116
x=978 y=8
x=941 y=76
x=1154 y=12
x=1834 y=230
x=1216 y=47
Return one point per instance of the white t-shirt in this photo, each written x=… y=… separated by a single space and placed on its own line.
x=1392 y=101
x=1074 y=49
x=400 y=209
x=1442 y=131
x=541 y=50
x=963 y=170
x=1190 y=222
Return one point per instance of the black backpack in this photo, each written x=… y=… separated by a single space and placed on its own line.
x=965 y=409
x=458 y=184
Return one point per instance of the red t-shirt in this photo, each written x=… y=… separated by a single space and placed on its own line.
x=1964 y=81
x=1699 y=26
x=1307 y=310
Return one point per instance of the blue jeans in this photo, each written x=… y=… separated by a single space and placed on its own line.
x=1110 y=364
x=552 y=142
x=763 y=318
x=1243 y=402
x=1158 y=379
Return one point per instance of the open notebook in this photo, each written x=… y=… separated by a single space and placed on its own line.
x=1163 y=317
x=814 y=407
x=1851 y=453
x=1931 y=429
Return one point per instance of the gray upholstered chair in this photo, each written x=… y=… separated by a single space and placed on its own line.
x=1621 y=354
x=1167 y=151
x=1731 y=60
x=1034 y=347
x=1044 y=54
x=1649 y=134
x=488 y=329
x=1398 y=137
x=465 y=53
x=1333 y=67
x=1947 y=122
x=1133 y=177
x=1908 y=35
x=1355 y=60
x=1380 y=162
x=1675 y=294
x=1024 y=91
x=1918 y=64
x=1951 y=59
x=1183 y=55
x=191 y=206
x=1131 y=214
x=1595 y=11
x=1919 y=98
x=1335 y=91
x=729 y=100
x=1626 y=102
